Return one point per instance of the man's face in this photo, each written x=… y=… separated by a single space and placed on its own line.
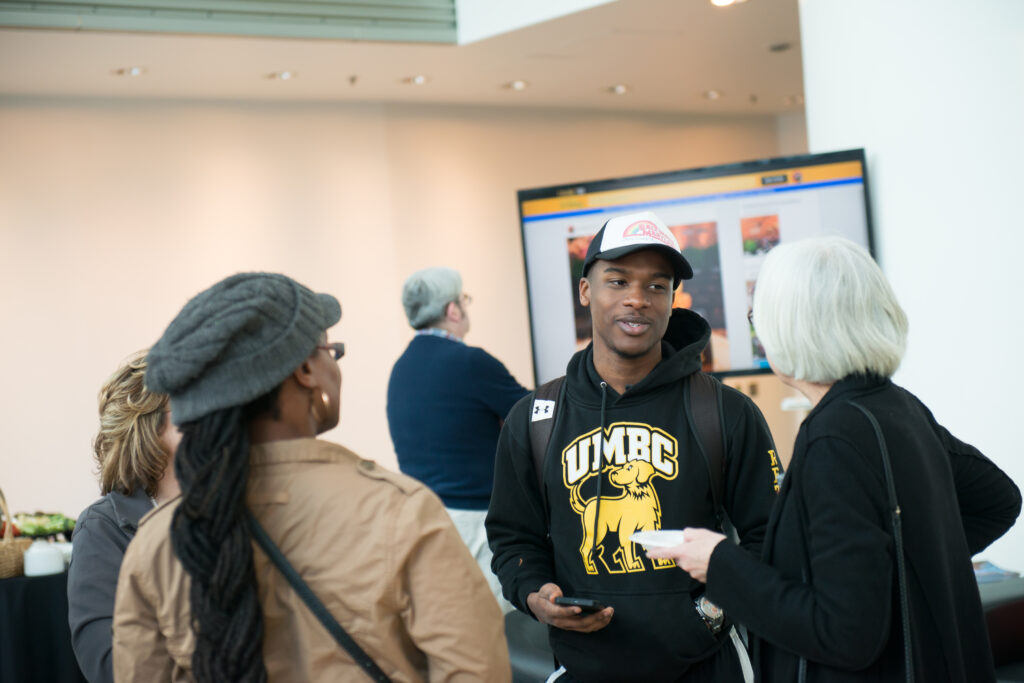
x=630 y=301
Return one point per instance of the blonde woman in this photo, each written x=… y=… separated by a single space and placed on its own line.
x=134 y=450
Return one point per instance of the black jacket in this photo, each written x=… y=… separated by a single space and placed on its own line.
x=832 y=526
x=100 y=539
x=655 y=632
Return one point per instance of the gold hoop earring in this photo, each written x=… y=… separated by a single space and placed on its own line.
x=319 y=409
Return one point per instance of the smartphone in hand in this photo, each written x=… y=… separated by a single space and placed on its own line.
x=586 y=604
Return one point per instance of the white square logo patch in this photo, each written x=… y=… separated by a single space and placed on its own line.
x=542 y=410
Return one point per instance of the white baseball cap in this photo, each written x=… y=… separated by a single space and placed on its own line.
x=632 y=232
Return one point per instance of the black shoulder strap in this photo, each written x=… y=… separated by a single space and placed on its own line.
x=542 y=422
x=704 y=411
x=897 y=533
x=318 y=608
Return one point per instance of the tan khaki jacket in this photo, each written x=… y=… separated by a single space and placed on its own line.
x=375 y=546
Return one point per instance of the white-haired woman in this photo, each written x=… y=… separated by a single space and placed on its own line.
x=825 y=601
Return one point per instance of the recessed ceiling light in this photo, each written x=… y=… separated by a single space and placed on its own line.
x=282 y=75
x=726 y=3
x=415 y=80
x=130 y=71
x=618 y=89
x=517 y=85
x=712 y=94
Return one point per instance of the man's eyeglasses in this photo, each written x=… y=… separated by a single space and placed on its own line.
x=336 y=349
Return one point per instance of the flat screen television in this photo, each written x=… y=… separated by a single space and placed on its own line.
x=726 y=219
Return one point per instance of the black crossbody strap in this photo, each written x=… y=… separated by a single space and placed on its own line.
x=897 y=531
x=315 y=606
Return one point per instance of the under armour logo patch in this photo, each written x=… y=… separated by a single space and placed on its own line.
x=542 y=410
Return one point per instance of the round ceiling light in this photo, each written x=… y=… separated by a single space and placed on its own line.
x=419 y=79
x=618 y=89
x=131 y=71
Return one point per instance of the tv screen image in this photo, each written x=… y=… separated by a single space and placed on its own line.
x=726 y=219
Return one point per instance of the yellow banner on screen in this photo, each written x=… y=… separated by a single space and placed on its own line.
x=775 y=178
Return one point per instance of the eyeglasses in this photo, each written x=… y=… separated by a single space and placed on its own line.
x=336 y=349
x=466 y=299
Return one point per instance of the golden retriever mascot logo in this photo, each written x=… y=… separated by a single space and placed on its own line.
x=634 y=455
x=636 y=509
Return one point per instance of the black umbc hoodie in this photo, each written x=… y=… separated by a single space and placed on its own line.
x=654 y=477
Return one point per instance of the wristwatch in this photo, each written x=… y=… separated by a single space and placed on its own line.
x=711 y=613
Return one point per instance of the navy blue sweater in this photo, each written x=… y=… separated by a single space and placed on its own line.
x=446 y=402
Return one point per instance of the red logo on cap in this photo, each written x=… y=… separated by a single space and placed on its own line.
x=647 y=229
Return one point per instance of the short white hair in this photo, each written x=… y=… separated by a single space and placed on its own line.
x=426 y=294
x=823 y=311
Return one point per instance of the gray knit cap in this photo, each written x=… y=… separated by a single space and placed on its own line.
x=236 y=341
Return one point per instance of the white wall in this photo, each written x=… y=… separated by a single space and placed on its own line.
x=792 y=130
x=114 y=213
x=934 y=91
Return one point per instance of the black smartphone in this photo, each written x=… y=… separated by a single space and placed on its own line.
x=585 y=604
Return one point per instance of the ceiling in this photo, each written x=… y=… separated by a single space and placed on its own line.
x=668 y=53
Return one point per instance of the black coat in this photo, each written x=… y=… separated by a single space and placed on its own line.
x=826 y=587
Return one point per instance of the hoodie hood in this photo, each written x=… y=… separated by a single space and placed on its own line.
x=681 y=348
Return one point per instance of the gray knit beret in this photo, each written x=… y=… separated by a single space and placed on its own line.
x=236 y=341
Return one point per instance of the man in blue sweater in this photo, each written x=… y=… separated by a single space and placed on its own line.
x=446 y=404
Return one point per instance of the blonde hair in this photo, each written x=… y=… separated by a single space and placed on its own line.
x=127 y=447
x=824 y=311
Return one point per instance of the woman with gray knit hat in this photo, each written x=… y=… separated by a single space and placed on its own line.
x=253 y=380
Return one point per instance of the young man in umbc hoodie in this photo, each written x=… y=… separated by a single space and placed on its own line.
x=622 y=457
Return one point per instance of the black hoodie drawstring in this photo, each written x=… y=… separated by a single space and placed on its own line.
x=600 y=467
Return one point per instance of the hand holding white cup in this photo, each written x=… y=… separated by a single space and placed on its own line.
x=693 y=554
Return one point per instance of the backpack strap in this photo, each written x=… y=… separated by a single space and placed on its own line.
x=703 y=403
x=546 y=399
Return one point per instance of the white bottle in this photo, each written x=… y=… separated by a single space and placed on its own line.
x=43 y=558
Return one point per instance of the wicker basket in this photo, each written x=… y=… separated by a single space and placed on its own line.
x=12 y=550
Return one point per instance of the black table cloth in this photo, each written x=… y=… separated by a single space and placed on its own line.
x=35 y=641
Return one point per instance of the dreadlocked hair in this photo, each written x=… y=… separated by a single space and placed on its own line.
x=210 y=536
